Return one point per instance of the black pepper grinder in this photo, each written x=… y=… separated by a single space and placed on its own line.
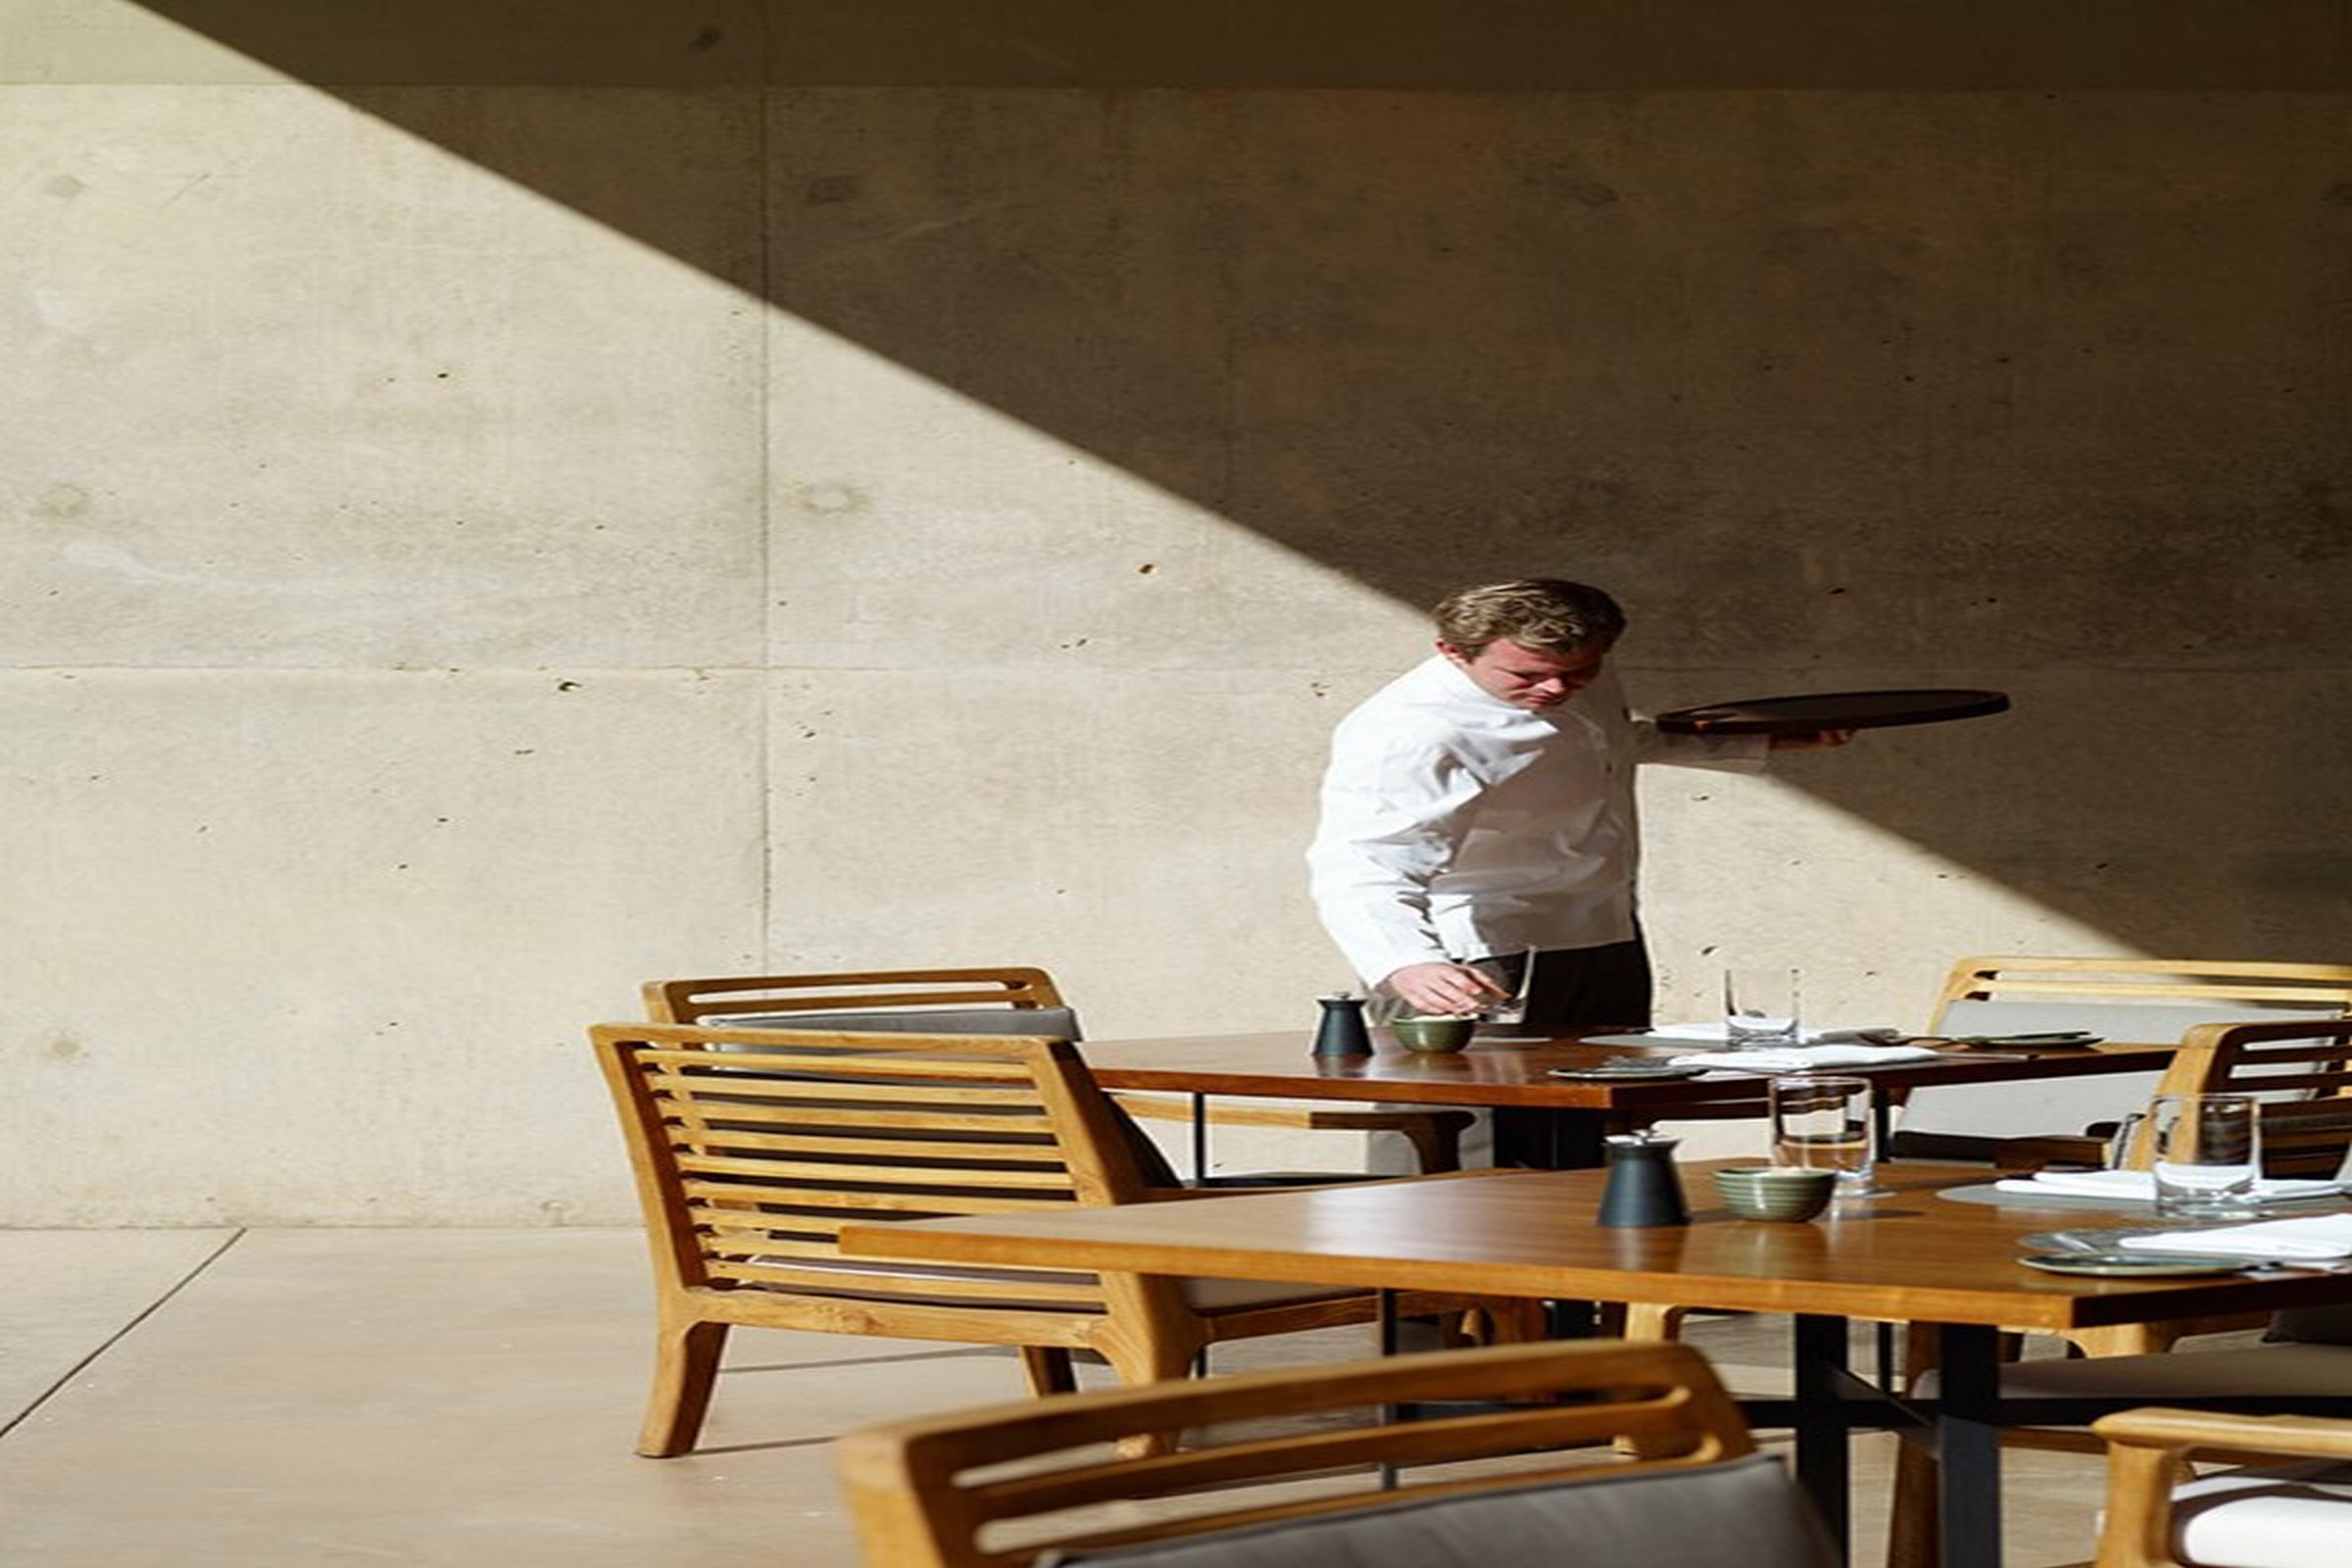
x=1342 y=1033
x=1643 y=1188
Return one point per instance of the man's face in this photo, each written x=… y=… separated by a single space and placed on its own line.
x=1529 y=678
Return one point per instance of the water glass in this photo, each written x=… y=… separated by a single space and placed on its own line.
x=1821 y=1122
x=1760 y=1007
x=1510 y=1008
x=2208 y=1153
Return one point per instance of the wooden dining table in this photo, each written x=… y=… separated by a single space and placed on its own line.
x=1519 y=1074
x=1911 y=1256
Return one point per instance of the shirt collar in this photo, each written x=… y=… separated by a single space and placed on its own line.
x=1457 y=683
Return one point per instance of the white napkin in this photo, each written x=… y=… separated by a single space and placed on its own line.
x=2140 y=1185
x=1805 y=1058
x=2316 y=1238
x=1696 y=1032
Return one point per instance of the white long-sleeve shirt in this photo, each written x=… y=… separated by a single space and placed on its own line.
x=1454 y=823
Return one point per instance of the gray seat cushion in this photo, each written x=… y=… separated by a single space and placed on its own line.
x=1059 y=1023
x=1745 y=1511
x=1226 y=1295
x=2313 y=1325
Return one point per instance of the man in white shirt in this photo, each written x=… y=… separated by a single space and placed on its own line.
x=1481 y=806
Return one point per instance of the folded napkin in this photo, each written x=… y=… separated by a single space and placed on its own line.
x=1805 y=1058
x=2316 y=1238
x=1696 y=1032
x=2140 y=1185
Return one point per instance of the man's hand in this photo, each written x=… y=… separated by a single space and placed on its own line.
x=1443 y=988
x=1819 y=740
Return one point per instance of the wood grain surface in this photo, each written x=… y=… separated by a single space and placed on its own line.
x=1911 y=1256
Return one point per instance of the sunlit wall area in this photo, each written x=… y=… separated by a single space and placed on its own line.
x=501 y=501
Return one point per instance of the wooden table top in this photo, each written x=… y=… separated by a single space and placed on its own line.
x=1910 y=1256
x=1517 y=1072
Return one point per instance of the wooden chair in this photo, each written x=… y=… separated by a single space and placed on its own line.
x=2141 y=1000
x=2301 y=1072
x=999 y=1488
x=753 y=1147
x=2292 y=1517
x=989 y=1001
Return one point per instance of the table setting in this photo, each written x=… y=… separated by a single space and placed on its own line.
x=1762 y=1030
x=2215 y=1213
x=2321 y=1242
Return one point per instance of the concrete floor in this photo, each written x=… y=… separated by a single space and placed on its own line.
x=454 y=1398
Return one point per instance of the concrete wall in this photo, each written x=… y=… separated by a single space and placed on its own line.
x=498 y=501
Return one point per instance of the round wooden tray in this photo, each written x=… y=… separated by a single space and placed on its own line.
x=1820 y=710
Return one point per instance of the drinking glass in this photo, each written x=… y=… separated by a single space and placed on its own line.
x=1760 y=1007
x=1821 y=1122
x=1510 y=1009
x=2208 y=1153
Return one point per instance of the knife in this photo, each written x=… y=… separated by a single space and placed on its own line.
x=2053 y=1037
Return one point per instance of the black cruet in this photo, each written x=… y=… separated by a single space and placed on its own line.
x=1342 y=1032
x=1643 y=1187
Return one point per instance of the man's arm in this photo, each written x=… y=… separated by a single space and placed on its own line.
x=1394 y=812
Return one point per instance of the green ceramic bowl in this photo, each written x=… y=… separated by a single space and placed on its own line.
x=1775 y=1191
x=1433 y=1035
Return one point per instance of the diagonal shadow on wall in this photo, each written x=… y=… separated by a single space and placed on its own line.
x=1853 y=344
